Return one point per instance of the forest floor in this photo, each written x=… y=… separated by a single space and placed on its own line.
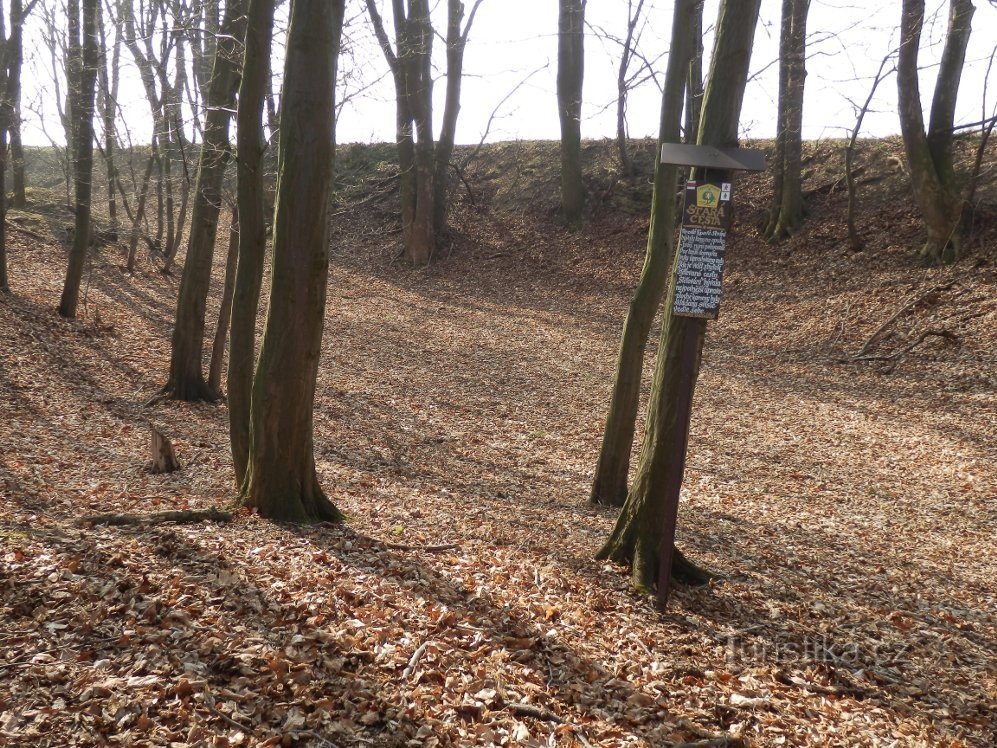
x=847 y=505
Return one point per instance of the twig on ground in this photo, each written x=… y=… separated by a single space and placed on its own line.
x=413 y=662
x=224 y=717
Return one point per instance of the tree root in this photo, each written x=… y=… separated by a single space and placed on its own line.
x=186 y=516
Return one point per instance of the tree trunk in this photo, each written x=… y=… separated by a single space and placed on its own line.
x=456 y=42
x=570 y=75
x=281 y=480
x=14 y=56
x=225 y=310
x=694 y=86
x=787 y=211
x=929 y=156
x=4 y=280
x=415 y=57
x=251 y=147
x=635 y=539
x=186 y=380
x=83 y=110
x=612 y=469
x=136 y=231
x=623 y=83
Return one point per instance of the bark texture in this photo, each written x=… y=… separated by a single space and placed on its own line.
x=609 y=486
x=787 y=210
x=281 y=481
x=83 y=109
x=251 y=146
x=186 y=378
x=570 y=77
x=929 y=155
x=635 y=540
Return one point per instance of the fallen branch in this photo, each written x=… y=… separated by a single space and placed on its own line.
x=947 y=334
x=180 y=517
x=909 y=304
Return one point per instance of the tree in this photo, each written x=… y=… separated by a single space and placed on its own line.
x=570 y=76
x=251 y=146
x=636 y=538
x=281 y=481
x=13 y=58
x=11 y=55
x=423 y=163
x=86 y=55
x=787 y=209
x=694 y=85
x=186 y=379
x=609 y=486
x=930 y=155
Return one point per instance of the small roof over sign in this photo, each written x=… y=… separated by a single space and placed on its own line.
x=711 y=157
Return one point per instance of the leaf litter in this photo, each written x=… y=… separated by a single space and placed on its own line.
x=849 y=510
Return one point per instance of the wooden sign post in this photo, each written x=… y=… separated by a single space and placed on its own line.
x=706 y=218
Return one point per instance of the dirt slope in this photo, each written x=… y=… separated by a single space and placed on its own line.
x=848 y=505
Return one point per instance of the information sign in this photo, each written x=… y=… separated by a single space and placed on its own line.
x=703 y=239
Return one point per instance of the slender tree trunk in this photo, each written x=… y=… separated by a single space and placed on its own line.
x=252 y=228
x=83 y=173
x=694 y=86
x=623 y=86
x=609 y=485
x=570 y=75
x=14 y=56
x=225 y=310
x=635 y=539
x=281 y=482
x=6 y=117
x=4 y=280
x=107 y=72
x=186 y=380
x=417 y=69
x=929 y=156
x=787 y=211
x=136 y=232
x=456 y=42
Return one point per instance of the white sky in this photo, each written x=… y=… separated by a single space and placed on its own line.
x=513 y=40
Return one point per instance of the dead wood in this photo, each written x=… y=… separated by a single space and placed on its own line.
x=947 y=334
x=179 y=517
x=906 y=306
x=164 y=459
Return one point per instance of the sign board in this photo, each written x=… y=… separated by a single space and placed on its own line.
x=705 y=220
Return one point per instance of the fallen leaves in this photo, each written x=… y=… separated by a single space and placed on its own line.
x=458 y=413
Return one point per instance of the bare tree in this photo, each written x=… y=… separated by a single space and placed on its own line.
x=252 y=229
x=609 y=485
x=281 y=479
x=84 y=66
x=636 y=540
x=423 y=162
x=787 y=209
x=570 y=78
x=930 y=153
x=11 y=55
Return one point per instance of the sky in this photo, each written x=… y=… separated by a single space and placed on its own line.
x=511 y=59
